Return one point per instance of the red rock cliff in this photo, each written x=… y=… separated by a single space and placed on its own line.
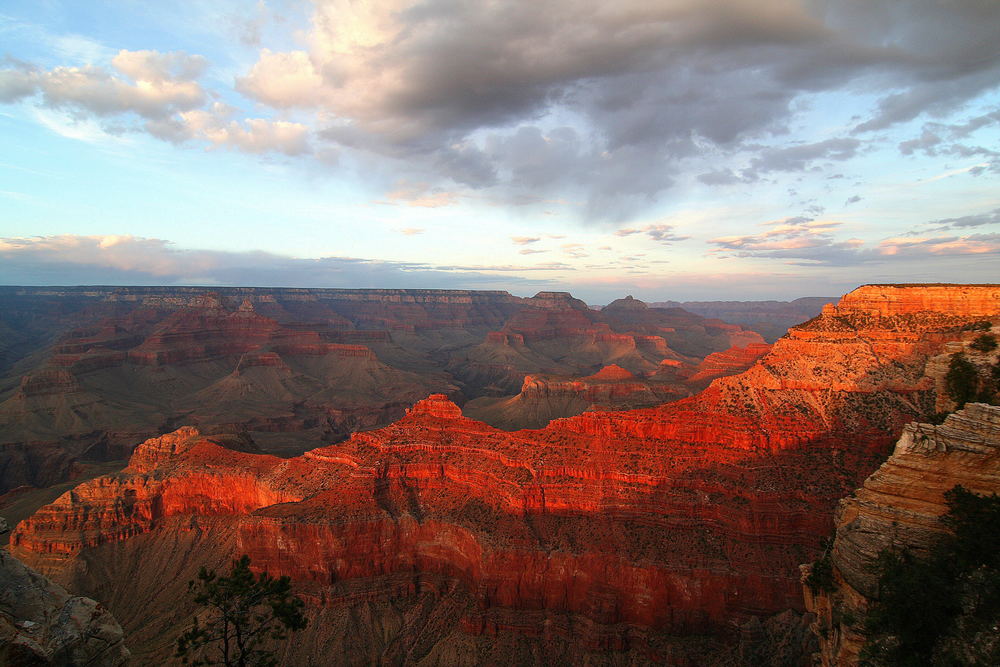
x=627 y=526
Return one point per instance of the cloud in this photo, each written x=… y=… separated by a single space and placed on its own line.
x=607 y=106
x=420 y=195
x=799 y=157
x=659 y=232
x=530 y=251
x=989 y=218
x=663 y=233
x=469 y=92
x=525 y=240
x=853 y=199
x=161 y=91
x=411 y=231
x=283 y=80
x=725 y=177
x=795 y=238
x=974 y=244
x=253 y=135
x=149 y=84
x=811 y=242
x=129 y=260
x=938 y=138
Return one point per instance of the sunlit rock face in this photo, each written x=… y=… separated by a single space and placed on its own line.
x=890 y=300
x=900 y=506
x=601 y=534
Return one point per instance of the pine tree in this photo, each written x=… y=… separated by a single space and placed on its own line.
x=242 y=611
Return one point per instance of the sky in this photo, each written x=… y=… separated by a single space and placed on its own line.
x=668 y=149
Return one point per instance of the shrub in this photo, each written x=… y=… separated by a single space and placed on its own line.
x=939 y=610
x=820 y=577
x=984 y=343
x=962 y=380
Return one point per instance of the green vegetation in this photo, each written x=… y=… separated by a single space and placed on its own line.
x=820 y=577
x=984 y=343
x=962 y=380
x=943 y=609
x=982 y=325
x=242 y=611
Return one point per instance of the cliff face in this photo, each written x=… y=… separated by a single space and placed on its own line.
x=900 y=505
x=444 y=534
x=546 y=397
x=888 y=300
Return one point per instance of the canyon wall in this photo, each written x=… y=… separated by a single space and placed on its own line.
x=439 y=537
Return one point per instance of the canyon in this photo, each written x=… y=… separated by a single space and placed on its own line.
x=86 y=373
x=612 y=536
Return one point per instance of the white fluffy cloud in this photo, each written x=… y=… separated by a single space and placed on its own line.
x=163 y=91
x=150 y=84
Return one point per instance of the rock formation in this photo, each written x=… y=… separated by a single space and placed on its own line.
x=900 y=505
x=546 y=397
x=88 y=372
x=729 y=362
x=442 y=538
x=42 y=624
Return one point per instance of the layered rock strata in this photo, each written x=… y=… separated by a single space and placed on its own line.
x=900 y=506
x=87 y=372
x=604 y=532
x=465 y=543
x=544 y=397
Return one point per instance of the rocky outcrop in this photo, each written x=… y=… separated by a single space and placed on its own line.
x=42 y=624
x=610 y=530
x=545 y=397
x=730 y=362
x=899 y=506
